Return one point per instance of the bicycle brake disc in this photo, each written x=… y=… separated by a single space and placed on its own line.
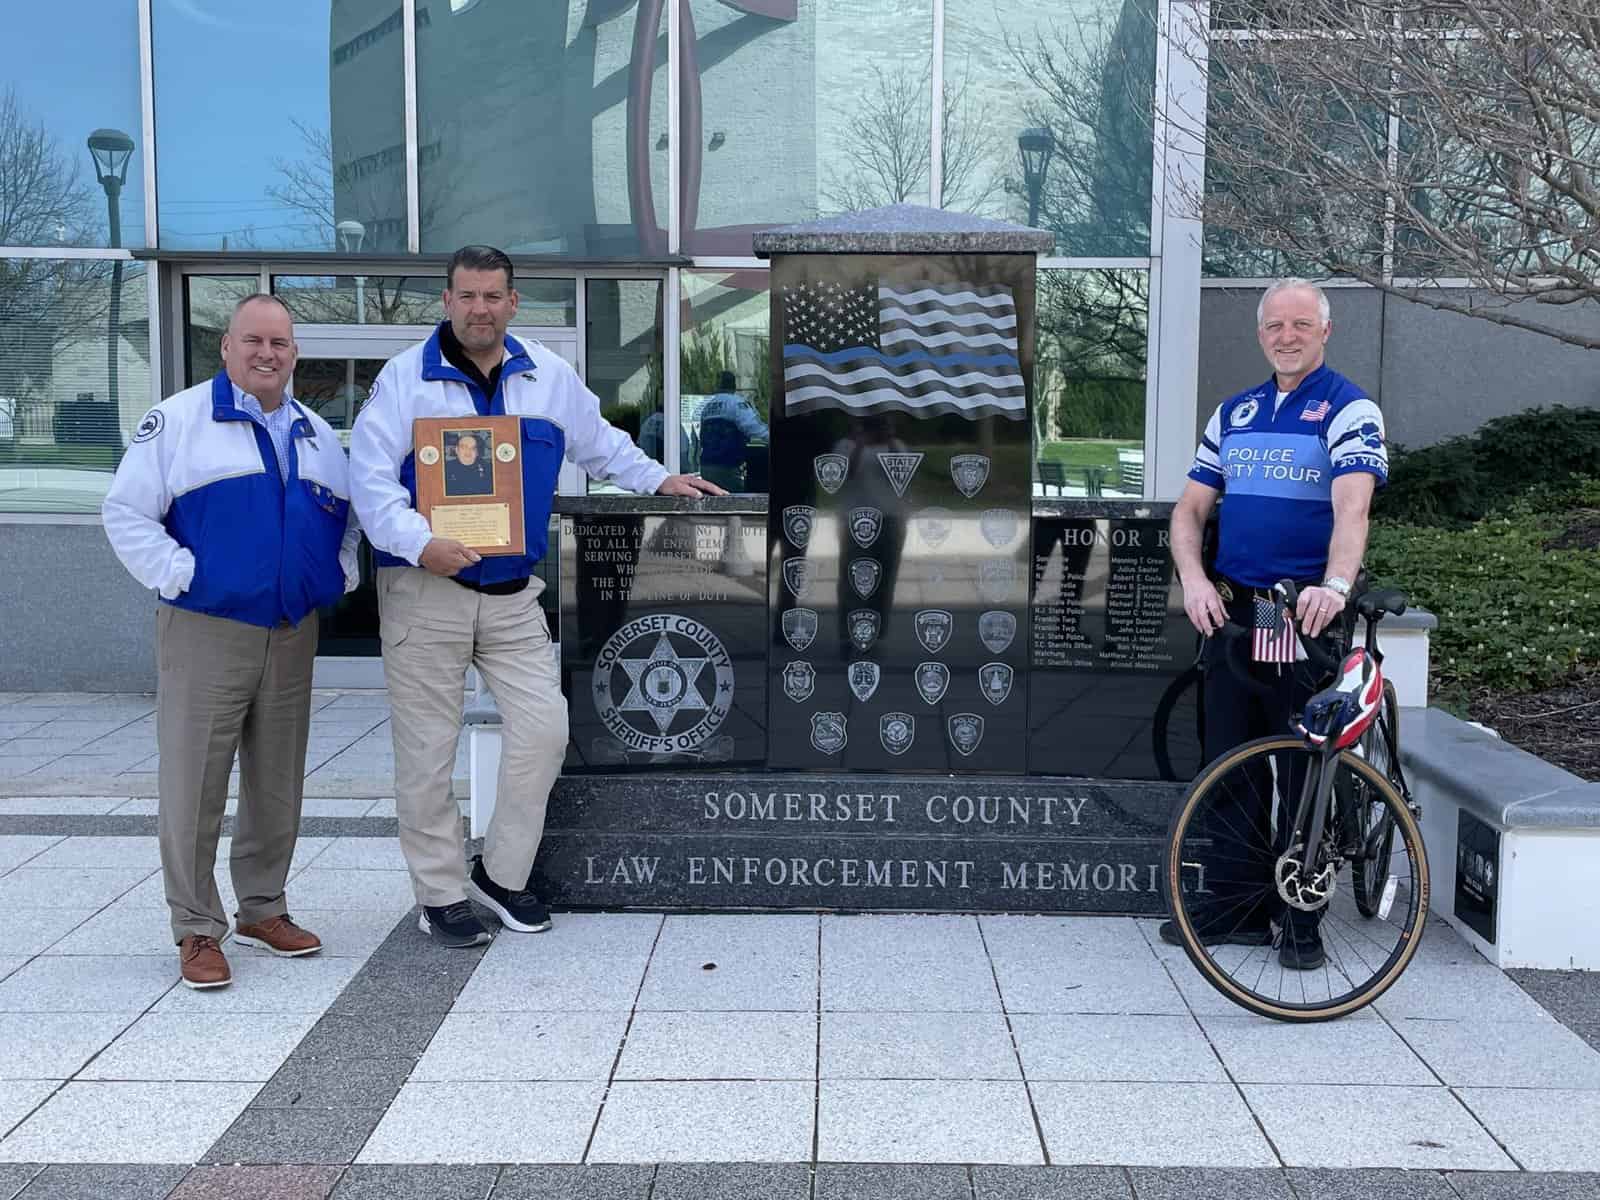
x=1298 y=892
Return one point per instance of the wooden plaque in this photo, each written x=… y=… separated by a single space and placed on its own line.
x=469 y=480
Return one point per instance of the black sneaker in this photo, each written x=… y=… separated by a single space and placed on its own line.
x=454 y=925
x=1306 y=955
x=1238 y=937
x=520 y=910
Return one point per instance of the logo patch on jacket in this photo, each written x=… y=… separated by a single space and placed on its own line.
x=150 y=426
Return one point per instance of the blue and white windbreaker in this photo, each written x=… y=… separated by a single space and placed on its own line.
x=199 y=511
x=560 y=419
x=1276 y=470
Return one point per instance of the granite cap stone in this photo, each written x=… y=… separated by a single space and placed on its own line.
x=904 y=229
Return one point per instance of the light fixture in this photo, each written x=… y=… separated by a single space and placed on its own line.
x=351 y=234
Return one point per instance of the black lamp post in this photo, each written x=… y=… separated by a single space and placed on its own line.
x=111 y=149
x=1036 y=145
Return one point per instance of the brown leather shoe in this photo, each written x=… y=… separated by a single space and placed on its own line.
x=201 y=961
x=280 y=936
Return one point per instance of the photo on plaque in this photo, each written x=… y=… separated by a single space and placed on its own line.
x=469 y=480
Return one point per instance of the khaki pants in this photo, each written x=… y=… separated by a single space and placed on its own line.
x=433 y=629
x=224 y=686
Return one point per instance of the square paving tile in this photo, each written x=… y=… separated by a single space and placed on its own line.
x=102 y=853
x=416 y=1183
x=903 y=1181
x=905 y=964
x=34 y=930
x=1357 y=1126
x=937 y=1121
x=608 y=1181
x=720 y=1045
x=917 y=1046
x=112 y=1123
x=1370 y=1184
x=1554 y=1130
x=1539 y=1054
x=1050 y=1183
x=1458 y=993
x=588 y=962
x=110 y=984
x=732 y=1181
x=523 y=1047
x=1261 y=1051
x=380 y=891
x=257 y=1183
x=329 y=1136
x=741 y=963
x=1209 y=1183
x=705 y=1122
x=38 y=887
x=1111 y=1047
x=123 y=928
x=16 y=849
x=1150 y=1125
x=53 y=1045
x=1047 y=941
x=11 y=963
x=362 y=854
x=263 y=983
x=1081 y=985
x=202 y=1047
x=444 y=1123
x=19 y=1097
x=59 y=806
x=1523 y=1185
x=99 y=1181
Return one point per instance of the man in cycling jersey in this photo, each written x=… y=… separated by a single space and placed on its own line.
x=1297 y=459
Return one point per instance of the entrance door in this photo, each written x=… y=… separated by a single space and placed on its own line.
x=335 y=373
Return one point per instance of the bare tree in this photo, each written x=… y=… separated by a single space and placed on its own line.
x=43 y=199
x=1404 y=144
x=887 y=147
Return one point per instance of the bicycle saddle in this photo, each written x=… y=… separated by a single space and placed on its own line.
x=1344 y=710
x=1389 y=600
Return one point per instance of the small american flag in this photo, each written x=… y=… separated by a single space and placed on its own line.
x=1315 y=412
x=1274 y=638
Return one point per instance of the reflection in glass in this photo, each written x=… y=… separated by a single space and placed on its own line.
x=71 y=71
x=542 y=127
x=1089 y=382
x=1079 y=76
x=725 y=378
x=277 y=158
x=624 y=359
x=362 y=299
x=61 y=433
x=336 y=388
x=799 y=108
x=208 y=303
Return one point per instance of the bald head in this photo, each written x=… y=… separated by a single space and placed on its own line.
x=258 y=351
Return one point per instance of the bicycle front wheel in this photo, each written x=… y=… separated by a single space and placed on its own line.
x=1273 y=938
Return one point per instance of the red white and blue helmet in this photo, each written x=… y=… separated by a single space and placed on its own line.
x=1345 y=709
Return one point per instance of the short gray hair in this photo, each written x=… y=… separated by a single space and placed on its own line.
x=1290 y=285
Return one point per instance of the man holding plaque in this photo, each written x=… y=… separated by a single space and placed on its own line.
x=455 y=578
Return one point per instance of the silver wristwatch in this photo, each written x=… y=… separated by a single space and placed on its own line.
x=1338 y=583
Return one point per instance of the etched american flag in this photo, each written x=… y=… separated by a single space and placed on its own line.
x=921 y=348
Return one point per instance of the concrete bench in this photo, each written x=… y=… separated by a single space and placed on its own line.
x=1404 y=642
x=1513 y=843
x=482 y=721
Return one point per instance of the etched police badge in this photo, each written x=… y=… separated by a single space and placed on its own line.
x=933 y=627
x=966 y=731
x=863 y=679
x=899 y=467
x=994 y=681
x=674 y=678
x=996 y=629
x=864 y=626
x=970 y=472
x=800 y=628
x=864 y=576
x=999 y=526
x=797 y=573
x=996 y=578
x=828 y=732
x=797 y=522
x=799 y=681
x=932 y=678
x=933 y=524
x=830 y=470
x=865 y=525
x=897 y=730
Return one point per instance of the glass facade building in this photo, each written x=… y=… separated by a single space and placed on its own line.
x=334 y=152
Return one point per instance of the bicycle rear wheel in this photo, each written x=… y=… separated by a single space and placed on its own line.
x=1369 y=873
x=1178 y=728
x=1235 y=893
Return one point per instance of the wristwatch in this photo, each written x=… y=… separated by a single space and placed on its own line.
x=1338 y=583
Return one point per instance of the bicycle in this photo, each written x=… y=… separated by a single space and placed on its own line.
x=1276 y=825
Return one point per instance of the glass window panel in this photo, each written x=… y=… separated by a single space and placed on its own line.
x=276 y=156
x=725 y=378
x=803 y=108
x=362 y=299
x=1076 y=79
x=208 y=303
x=74 y=378
x=336 y=388
x=1092 y=346
x=623 y=352
x=524 y=116
x=71 y=69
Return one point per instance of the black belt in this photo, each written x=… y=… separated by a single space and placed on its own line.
x=506 y=587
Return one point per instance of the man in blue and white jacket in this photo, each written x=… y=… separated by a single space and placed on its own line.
x=233 y=503
x=443 y=608
x=1296 y=460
